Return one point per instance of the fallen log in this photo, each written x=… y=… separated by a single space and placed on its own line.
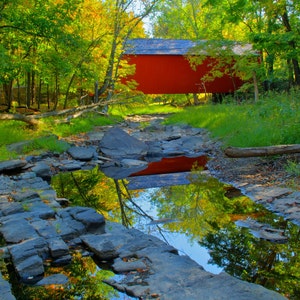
x=262 y=151
x=24 y=118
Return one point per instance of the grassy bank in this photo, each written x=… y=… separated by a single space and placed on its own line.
x=273 y=120
x=42 y=138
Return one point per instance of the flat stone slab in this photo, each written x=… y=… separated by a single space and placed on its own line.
x=56 y=279
x=118 y=143
x=150 y=267
x=12 y=165
x=15 y=231
x=82 y=153
x=5 y=289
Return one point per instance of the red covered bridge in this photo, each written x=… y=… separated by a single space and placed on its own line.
x=162 y=67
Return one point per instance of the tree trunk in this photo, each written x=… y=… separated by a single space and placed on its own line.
x=68 y=90
x=7 y=88
x=39 y=98
x=28 y=90
x=96 y=94
x=255 y=87
x=292 y=43
x=56 y=92
x=262 y=151
x=33 y=88
x=19 y=117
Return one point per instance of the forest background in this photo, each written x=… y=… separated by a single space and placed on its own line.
x=62 y=54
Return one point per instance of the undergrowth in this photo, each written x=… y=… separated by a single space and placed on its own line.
x=272 y=120
x=46 y=136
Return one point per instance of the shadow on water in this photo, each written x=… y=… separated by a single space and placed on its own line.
x=213 y=223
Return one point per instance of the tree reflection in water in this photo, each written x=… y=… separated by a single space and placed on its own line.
x=205 y=211
x=85 y=283
x=206 y=214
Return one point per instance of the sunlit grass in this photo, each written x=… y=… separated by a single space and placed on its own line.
x=273 y=120
x=78 y=125
x=13 y=132
x=44 y=137
x=143 y=108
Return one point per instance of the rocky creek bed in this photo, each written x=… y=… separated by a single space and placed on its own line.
x=37 y=227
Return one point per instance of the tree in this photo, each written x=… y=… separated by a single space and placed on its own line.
x=65 y=47
x=271 y=27
x=25 y=29
x=125 y=24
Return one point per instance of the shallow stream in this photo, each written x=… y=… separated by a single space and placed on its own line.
x=209 y=221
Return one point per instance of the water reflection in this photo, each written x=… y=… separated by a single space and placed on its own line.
x=85 y=283
x=205 y=212
x=200 y=216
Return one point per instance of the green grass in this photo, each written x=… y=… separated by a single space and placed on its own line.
x=44 y=138
x=143 y=108
x=273 y=120
x=78 y=125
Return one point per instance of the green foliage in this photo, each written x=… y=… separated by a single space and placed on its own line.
x=271 y=27
x=206 y=211
x=13 y=132
x=88 y=188
x=139 y=108
x=5 y=154
x=273 y=120
x=47 y=143
x=293 y=168
x=201 y=207
x=85 y=282
x=46 y=138
x=78 y=125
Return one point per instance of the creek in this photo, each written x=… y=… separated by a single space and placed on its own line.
x=213 y=223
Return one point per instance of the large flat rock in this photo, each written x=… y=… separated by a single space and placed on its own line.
x=117 y=143
x=151 y=267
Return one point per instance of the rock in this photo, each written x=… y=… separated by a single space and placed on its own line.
x=128 y=264
x=28 y=264
x=117 y=143
x=68 y=166
x=93 y=221
x=67 y=227
x=31 y=269
x=28 y=195
x=44 y=228
x=82 y=153
x=19 y=146
x=42 y=170
x=263 y=231
x=12 y=165
x=133 y=163
x=105 y=248
x=62 y=260
x=158 y=180
x=23 y=250
x=55 y=279
x=150 y=268
x=58 y=247
x=123 y=168
x=9 y=208
x=5 y=289
x=17 y=230
x=155 y=268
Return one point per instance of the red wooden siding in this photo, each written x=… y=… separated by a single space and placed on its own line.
x=172 y=74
